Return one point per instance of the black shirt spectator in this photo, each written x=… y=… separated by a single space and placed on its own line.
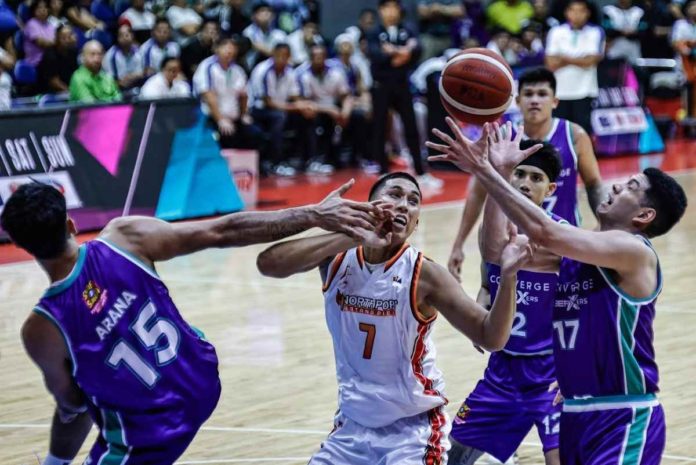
x=199 y=48
x=393 y=49
x=230 y=16
x=59 y=62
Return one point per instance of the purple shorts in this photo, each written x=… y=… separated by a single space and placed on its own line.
x=623 y=436
x=511 y=398
x=105 y=453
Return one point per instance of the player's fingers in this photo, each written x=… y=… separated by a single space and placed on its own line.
x=367 y=207
x=533 y=149
x=519 y=135
x=439 y=158
x=438 y=147
x=508 y=131
x=443 y=137
x=455 y=128
x=343 y=189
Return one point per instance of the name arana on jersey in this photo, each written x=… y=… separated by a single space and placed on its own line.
x=115 y=313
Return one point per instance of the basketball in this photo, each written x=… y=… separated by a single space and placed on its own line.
x=476 y=86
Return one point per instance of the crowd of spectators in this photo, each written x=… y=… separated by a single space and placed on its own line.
x=269 y=78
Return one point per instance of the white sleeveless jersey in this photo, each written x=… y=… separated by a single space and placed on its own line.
x=385 y=358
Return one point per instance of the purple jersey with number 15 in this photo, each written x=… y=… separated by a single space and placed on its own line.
x=149 y=377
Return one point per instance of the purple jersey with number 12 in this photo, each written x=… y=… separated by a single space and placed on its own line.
x=151 y=380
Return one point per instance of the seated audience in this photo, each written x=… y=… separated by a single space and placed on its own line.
x=302 y=40
x=140 y=19
x=123 y=61
x=623 y=23
x=39 y=34
x=168 y=83
x=90 y=84
x=221 y=84
x=262 y=34
x=158 y=46
x=59 y=62
x=199 y=47
x=183 y=18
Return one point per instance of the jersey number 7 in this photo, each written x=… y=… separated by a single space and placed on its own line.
x=371 y=330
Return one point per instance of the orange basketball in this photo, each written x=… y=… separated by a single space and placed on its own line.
x=476 y=86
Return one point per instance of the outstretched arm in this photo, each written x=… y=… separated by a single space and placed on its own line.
x=71 y=422
x=154 y=240
x=617 y=250
x=487 y=329
x=472 y=210
x=300 y=255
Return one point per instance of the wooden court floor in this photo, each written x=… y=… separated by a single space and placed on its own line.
x=276 y=360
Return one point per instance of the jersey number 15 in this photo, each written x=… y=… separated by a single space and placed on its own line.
x=149 y=330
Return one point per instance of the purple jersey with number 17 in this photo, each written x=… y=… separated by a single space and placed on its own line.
x=151 y=380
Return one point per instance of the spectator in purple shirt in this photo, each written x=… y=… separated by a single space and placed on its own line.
x=39 y=34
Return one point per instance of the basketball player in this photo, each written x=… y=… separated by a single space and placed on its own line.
x=609 y=280
x=537 y=99
x=111 y=345
x=514 y=393
x=382 y=297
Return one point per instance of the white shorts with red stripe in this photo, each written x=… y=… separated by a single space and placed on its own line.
x=419 y=440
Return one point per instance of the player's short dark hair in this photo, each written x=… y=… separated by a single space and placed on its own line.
x=162 y=20
x=227 y=39
x=367 y=11
x=35 y=218
x=588 y=4
x=259 y=5
x=396 y=175
x=546 y=158
x=34 y=5
x=668 y=199
x=167 y=59
x=281 y=45
x=537 y=76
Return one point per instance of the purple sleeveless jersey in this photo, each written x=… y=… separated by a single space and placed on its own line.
x=602 y=338
x=531 y=329
x=150 y=379
x=564 y=202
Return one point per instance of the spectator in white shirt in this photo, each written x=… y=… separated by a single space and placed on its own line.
x=327 y=87
x=684 y=44
x=623 y=23
x=141 y=20
x=573 y=51
x=275 y=95
x=168 y=83
x=183 y=19
x=221 y=83
x=123 y=61
x=158 y=46
x=262 y=35
x=302 y=40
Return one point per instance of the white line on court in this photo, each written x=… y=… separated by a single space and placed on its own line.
x=260 y=460
x=305 y=432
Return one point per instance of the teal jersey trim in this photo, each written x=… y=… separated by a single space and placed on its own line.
x=130 y=257
x=44 y=313
x=635 y=300
x=634 y=442
x=118 y=451
x=60 y=286
x=634 y=379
